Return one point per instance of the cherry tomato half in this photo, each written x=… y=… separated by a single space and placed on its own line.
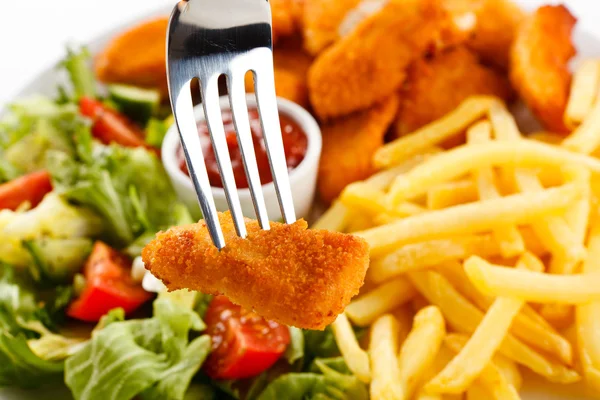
x=108 y=285
x=243 y=343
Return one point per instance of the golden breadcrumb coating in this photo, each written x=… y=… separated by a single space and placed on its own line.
x=437 y=85
x=289 y=274
x=349 y=144
x=321 y=22
x=539 y=68
x=493 y=25
x=283 y=20
x=370 y=64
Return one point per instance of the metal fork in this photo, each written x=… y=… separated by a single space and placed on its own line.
x=207 y=39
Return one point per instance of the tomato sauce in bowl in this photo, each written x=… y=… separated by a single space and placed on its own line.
x=295 y=143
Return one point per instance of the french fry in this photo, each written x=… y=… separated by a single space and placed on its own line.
x=588 y=319
x=459 y=161
x=433 y=134
x=420 y=347
x=427 y=396
x=385 y=374
x=509 y=369
x=451 y=194
x=334 y=219
x=470 y=218
x=387 y=297
x=586 y=138
x=584 y=86
x=560 y=316
x=356 y=358
x=547 y=137
x=578 y=216
x=423 y=255
x=405 y=316
x=481 y=347
x=368 y=199
x=477 y=392
x=533 y=286
x=553 y=231
x=368 y=195
x=359 y=221
x=491 y=379
x=383 y=179
x=403 y=210
x=441 y=359
x=532 y=242
x=464 y=317
x=508 y=236
x=527 y=326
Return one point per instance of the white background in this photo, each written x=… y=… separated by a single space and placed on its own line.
x=33 y=33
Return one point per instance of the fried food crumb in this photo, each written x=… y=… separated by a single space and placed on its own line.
x=349 y=144
x=539 y=64
x=290 y=274
x=370 y=64
x=321 y=21
x=437 y=85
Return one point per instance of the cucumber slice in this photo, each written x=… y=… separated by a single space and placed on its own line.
x=139 y=104
x=57 y=260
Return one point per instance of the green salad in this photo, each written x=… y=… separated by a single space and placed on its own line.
x=82 y=190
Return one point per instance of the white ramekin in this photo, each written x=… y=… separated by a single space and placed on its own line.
x=303 y=178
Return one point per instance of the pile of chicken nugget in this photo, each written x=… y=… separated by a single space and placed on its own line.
x=374 y=70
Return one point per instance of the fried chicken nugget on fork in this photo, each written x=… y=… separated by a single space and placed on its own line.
x=369 y=64
x=289 y=274
x=539 y=64
x=437 y=85
x=349 y=144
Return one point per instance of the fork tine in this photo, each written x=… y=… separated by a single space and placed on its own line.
x=183 y=111
x=269 y=118
x=239 y=108
x=212 y=110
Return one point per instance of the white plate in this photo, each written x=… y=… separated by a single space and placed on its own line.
x=46 y=83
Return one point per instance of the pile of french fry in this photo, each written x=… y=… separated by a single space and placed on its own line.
x=485 y=258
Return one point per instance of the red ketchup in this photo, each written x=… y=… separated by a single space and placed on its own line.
x=295 y=144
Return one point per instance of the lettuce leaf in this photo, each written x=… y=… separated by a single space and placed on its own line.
x=30 y=354
x=78 y=66
x=151 y=358
x=327 y=384
x=120 y=184
x=19 y=366
x=295 y=350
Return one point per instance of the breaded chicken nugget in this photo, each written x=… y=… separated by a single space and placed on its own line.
x=283 y=18
x=493 y=25
x=288 y=274
x=291 y=69
x=349 y=144
x=438 y=85
x=137 y=56
x=321 y=21
x=495 y=30
x=539 y=64
x=369 y=64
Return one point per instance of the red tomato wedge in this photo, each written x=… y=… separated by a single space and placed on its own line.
x=32 y=188
x=109 y=126
x=108 y=285
x=243 y=343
